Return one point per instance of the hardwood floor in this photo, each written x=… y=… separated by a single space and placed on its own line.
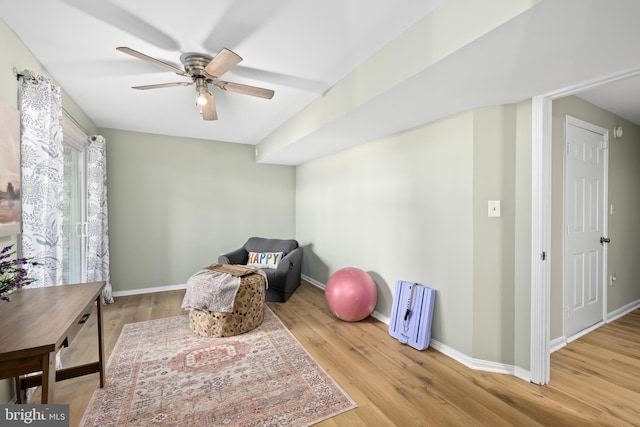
x=594 y=380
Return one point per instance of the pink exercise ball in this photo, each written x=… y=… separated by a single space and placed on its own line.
x=351 y=294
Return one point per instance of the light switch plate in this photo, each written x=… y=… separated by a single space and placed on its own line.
x=494 y=208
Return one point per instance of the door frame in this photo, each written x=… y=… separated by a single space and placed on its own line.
x=541 y=121
x=605 y=222
x=76 y=137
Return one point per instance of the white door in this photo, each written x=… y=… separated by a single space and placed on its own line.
x=586 y=223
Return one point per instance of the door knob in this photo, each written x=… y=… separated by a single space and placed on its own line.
x=604 y=240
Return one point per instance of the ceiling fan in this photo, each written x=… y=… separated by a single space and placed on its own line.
x=203 y=70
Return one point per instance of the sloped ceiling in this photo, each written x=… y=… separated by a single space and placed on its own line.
x=552 y=46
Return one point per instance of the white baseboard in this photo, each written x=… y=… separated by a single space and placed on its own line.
x=523 y=374
x=585 y=331
x=452 y=353
x=384 y=319
x=148 y=290
x=479 y=364
x=314 y=282
x=557 y=343
x=476 y=364
x=376 y=315
x=616 y=314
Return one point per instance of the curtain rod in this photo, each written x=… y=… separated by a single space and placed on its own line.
x=30 y=75
x=74 y=121
x=25 y=73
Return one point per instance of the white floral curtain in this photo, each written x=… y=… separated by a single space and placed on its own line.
x=98 y=230
x=42 y=178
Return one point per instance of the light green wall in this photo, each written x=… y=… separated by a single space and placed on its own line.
x=493 y=238
x=624 y=181
x=401 y=209
x=522 y=242
x=176 y=203
x=414 y=207
x=340 y=219
x=502 y=245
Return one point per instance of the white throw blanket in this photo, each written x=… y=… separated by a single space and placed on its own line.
x=211 y=290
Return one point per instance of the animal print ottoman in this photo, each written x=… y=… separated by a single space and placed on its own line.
x=248 y=312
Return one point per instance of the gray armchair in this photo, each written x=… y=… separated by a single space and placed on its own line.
x=283 y=280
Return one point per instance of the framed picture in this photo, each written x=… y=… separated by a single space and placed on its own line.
x=9 y=170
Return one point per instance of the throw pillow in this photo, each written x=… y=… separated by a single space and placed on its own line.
x=264 y=259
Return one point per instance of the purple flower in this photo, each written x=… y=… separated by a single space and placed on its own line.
x=13 y=272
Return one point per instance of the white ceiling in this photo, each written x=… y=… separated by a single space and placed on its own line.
x=300 y=48
x=621 y=97
x=556 y=45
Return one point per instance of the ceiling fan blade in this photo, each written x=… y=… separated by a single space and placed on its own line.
x=209 y=109
x=246 y=89
x=161 y=85
x=119 y=17
x=154 y=61
x=222 y=62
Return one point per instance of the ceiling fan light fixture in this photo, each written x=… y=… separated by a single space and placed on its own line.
x=202 y=95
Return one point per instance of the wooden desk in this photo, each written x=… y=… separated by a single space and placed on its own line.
x=38 y=322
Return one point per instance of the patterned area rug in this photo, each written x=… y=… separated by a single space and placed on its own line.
x=161 y=374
